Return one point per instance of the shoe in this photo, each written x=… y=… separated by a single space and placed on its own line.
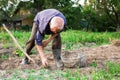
x=59 y=64
x=24 y=61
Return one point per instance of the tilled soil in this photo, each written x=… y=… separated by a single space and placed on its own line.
x=99 y=55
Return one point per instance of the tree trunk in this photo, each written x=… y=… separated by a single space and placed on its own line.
x=118 y=27
x=117 y=18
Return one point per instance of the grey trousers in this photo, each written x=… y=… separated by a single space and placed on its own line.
x=56 y=44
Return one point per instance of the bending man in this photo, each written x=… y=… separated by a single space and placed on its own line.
x=49 y=21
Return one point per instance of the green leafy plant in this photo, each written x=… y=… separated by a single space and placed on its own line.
x=19 y=53
x=3 y=57
x=94 y=64
x=69 y=45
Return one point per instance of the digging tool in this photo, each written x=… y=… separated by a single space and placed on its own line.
x=19 y=45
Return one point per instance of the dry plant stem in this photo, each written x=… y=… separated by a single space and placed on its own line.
x=19 y=45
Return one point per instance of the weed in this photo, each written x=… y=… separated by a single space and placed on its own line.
x=94 y=64
x=6 y=46
x=19 y=52
x=69 y=45
x=3 y=57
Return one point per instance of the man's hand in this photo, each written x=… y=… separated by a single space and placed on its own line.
x=45 y=42
x=44 y=62
x=51 y=37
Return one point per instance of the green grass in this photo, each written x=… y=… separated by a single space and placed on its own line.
x=75 y=36
x=110 y=72
x=19 y=35
x=3 y=57
x=69 y=37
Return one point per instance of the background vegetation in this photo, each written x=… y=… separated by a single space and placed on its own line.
x=97 y=15
x=77 y=38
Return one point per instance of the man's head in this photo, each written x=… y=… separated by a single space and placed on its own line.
x=56 y=24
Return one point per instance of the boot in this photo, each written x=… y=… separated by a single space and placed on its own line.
x=57 y=57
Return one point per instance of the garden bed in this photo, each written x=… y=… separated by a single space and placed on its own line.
x=98 y=55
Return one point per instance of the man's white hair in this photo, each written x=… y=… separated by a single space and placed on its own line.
x=57 y=22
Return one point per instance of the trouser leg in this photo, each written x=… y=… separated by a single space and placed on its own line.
x=29 y=47
x=56 y=49
x=30 y=43
x=33 y=33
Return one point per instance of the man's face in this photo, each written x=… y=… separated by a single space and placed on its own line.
x=55 y=29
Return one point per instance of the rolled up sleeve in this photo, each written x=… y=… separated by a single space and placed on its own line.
x=38 y=39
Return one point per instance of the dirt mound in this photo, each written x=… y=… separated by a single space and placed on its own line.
x=115 y=42
x=14 y=63
x=102 y=54
x=73 y=59
x=99 y=55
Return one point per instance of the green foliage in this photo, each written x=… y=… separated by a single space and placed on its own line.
x=19 y=35
x=111 y=73
x=3 y=57
x=4 y=37
x=19 y=53
x=70 y=75
x=42 y=74
x=100 y=15
x=69 y=45
x=8 y=7
x=75 y=36
x=94 y=64
x=113 y=69
x=69 y=38
x=108 y=12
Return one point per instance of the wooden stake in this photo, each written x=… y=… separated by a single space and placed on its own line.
x=18 y=44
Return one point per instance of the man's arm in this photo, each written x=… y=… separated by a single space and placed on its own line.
x=51 y=37
x=42 y=56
